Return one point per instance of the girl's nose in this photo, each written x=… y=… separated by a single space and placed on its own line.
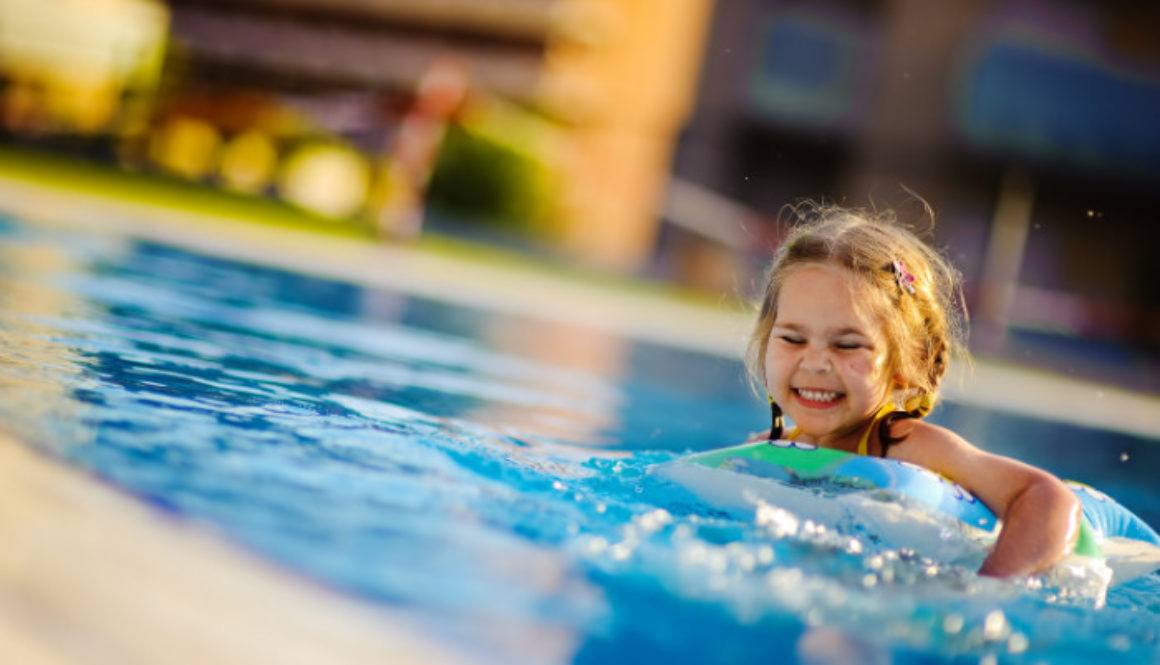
x=816 y=361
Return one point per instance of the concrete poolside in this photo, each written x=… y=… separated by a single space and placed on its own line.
x=89 y=575
x=75 y=548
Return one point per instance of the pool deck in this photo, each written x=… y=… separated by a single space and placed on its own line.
x=90 y=575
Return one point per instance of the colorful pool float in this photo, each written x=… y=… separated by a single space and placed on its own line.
x=1108 y=529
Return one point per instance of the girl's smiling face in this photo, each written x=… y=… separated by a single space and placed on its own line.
x=824 y=364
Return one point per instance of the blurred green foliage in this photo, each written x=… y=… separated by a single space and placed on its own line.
x=483 y=178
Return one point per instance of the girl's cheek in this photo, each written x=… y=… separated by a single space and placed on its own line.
x=862 y=366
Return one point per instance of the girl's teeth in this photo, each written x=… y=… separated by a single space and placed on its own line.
x=818 y=395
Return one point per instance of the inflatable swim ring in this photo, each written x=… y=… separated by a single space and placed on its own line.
x=1108 y=529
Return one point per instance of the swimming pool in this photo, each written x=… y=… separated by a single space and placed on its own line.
x=489 y=472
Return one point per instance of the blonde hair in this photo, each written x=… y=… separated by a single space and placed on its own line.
x=922 y=321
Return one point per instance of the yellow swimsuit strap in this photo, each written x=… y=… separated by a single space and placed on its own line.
x=864 y=442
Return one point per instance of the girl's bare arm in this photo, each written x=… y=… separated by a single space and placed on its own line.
x=1040 y=514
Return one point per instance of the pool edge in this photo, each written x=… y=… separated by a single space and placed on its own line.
x=91 y=575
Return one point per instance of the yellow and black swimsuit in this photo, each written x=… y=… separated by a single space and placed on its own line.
x=863 y=442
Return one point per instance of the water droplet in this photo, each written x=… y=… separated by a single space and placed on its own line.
x=654 y=520
x=765 y=555
x=718 y=562
x=780 y=522
x=995 y=626
x=695 y=554
x=1018 y=643
x=952 y=624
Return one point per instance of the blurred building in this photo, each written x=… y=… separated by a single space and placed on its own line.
x=1029 y=125
x=547 y=118
x=658 y=136
x=72 y=67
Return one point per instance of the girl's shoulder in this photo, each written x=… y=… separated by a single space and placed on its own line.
x=929 y=445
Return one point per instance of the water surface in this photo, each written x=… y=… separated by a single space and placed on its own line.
x=491 y=473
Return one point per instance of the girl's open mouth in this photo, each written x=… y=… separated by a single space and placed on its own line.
x=817 y=398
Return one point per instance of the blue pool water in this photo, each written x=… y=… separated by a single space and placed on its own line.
x=490 y=474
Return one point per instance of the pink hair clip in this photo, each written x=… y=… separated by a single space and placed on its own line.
x=902 y=276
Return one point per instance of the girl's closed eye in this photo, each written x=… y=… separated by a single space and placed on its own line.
x=852 y=342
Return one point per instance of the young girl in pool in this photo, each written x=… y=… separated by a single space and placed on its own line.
x=856 y=330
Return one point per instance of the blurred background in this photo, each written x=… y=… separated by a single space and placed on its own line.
x=660 y=139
